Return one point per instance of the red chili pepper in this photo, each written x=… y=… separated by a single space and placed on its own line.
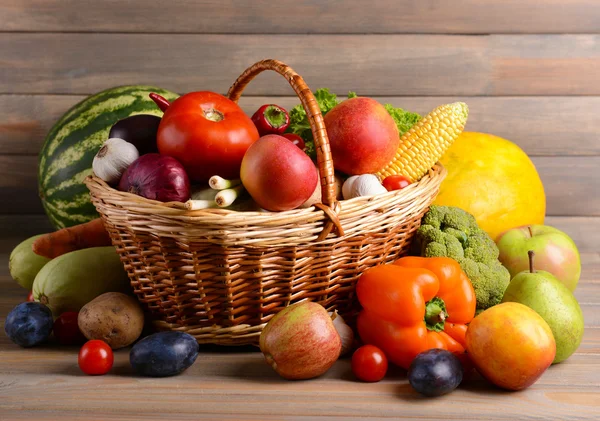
x=271 y=119
x=161 y=101
x=295 y=139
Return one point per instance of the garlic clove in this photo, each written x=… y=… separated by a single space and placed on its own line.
x=347 y=187
x=367 y=185
x=113 y=158
x=346 y=333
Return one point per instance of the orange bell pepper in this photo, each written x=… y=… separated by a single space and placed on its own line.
x=415 y=304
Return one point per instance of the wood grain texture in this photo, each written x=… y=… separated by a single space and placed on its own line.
x=585 y=231
x=545 y=126
x=242 y=386
x=387 y=65
x=18 y=184
x=567 y=192
x=302 y=16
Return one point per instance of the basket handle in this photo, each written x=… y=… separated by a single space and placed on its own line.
x=329 y=204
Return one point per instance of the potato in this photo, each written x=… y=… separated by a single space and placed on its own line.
x=113 y=317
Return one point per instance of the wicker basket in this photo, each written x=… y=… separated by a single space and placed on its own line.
x=220 y=275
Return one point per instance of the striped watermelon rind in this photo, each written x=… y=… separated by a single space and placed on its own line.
x=70 y=146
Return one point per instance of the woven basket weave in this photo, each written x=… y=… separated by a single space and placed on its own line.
x=220 y=275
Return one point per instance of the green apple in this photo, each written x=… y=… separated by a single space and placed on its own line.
x=555 y=252
x=551 y=299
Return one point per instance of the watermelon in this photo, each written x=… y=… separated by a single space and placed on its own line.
x=70 y=146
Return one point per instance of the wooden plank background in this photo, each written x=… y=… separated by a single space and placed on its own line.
x=302 y=16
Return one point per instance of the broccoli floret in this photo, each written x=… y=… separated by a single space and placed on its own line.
x=439 y=244
x=451 y=232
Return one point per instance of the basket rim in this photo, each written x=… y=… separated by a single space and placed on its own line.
x=142 y=205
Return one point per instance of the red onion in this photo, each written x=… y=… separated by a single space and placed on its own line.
x=157 y=177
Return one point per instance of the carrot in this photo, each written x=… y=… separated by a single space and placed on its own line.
x=54 y=244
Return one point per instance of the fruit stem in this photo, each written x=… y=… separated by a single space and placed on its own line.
x=213 y=115
x=161 y=101
x=435 y=314
x=531 y=254
x=530 y=232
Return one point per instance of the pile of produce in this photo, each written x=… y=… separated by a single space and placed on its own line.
x=487 y=287
x=203 y=150
x=448 y=313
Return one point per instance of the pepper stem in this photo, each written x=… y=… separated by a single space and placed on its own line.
x=435 y=314
x=159 y=100
x=275 y=116
x=530 y=253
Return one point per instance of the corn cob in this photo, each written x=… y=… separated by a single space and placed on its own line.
x=425 y=143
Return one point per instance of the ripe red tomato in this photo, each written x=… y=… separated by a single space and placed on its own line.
x=395 y=182
x=66 y=330
x=369 y=363
x=208 y=133
x=95 y=357
x=295 y=139
x=30 y=296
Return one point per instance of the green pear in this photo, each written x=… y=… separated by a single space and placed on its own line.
x=551 y=299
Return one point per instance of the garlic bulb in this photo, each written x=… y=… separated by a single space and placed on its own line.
x=113 y=158
x=366 y=185
x=345 y=332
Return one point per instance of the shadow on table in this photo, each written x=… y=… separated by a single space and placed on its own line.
x=226 y=349
x=475 y=384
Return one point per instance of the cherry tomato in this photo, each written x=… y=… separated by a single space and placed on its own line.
x=369 y=363
x=66 y=330
x=208 y=133
x=395 y=182
x=30 y=296
x=95 y=357
x=295 y=139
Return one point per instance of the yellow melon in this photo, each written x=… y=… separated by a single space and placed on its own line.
x=494 y=180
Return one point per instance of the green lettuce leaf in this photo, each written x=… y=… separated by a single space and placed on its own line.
x=404 y=119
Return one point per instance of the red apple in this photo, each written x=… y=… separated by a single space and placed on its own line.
x=363 y=136
x=555 y=252
x=277 y=174
x=301 y=341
